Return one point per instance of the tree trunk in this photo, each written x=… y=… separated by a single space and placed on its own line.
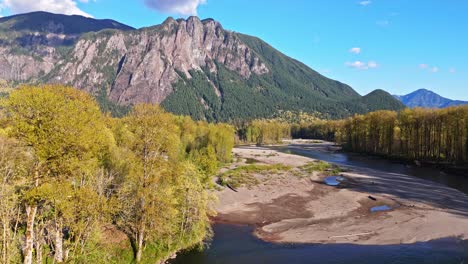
x=58 y=256
x=39 y=253
x=29 y=235
x=5 y=242
x=139 y=247
x=39 y=243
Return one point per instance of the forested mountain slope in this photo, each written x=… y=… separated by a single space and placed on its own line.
x=192 y=67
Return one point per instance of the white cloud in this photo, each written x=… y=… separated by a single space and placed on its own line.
x=432 y=69
x=362 y=65
x=365 y=3
x=372 y=65
x=355 y=50
x=383 y=23
x=181 y=7
x=67 y=7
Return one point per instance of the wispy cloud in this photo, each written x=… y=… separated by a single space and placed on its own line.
x=365 y=3
x=383 y=23
x=181 y=7
x=429 y=68
x=360 y=65
x=67 y=7
x=355 y=50
x=452 y=70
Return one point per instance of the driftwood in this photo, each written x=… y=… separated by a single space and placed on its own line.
x=372 y=198
x=230 y=187
x=360 y=234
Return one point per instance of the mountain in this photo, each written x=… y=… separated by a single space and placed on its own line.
x=428 y=99
x=193 y=67
x=44 y=22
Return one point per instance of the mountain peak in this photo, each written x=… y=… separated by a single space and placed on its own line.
x=423 y=90
x=428 y=99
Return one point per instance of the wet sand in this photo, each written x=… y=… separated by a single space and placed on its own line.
x=297 y=207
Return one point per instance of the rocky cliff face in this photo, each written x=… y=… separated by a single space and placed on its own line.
x=133 y=66
x=142 y=65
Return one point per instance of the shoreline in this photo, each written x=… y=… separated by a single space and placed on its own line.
x=287 y=208
x=455 y=168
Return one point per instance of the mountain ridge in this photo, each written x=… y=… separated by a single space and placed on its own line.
x=190 y=66
x=427 y=99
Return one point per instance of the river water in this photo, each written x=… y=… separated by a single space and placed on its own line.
x=236 y=244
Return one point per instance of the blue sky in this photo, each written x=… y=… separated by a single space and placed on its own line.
x=395 y=45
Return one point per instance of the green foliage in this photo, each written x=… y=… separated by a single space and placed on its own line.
x=264 y=132
x=68 y=170
x=108 y=106
x=207 y=145
x=432 y=135
x=244 y=175
x=316 y=166
x=60 y=124
x=41 y=22
x=320 y=166
x=15 y=165
x=317 y=129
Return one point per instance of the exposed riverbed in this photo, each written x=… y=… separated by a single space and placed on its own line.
x=288 y=209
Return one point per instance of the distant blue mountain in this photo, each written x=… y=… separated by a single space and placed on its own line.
x=428 y=99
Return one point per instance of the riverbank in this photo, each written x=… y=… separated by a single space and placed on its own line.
x=294 y=206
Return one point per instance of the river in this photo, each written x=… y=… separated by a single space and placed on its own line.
x=236 y=244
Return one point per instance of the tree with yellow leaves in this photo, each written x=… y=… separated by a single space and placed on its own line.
x=152 y=143
x=63 y=128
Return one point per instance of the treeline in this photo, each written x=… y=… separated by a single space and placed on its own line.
x=262 y=131
x=285 y=125
x=432 y=135
x=75 y=181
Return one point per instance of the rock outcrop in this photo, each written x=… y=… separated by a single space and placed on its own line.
x=133 y=66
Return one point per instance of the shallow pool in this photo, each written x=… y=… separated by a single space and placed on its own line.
x=334 y=180
x=380 y=208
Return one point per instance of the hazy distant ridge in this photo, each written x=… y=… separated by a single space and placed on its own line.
x=428 y=99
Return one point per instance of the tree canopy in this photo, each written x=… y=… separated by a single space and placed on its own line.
x=69 y=173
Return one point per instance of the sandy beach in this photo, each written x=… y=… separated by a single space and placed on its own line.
x=295 y=206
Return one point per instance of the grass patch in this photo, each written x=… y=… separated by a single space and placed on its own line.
x=251 y=161
x=243 y=176
x=321 y=166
